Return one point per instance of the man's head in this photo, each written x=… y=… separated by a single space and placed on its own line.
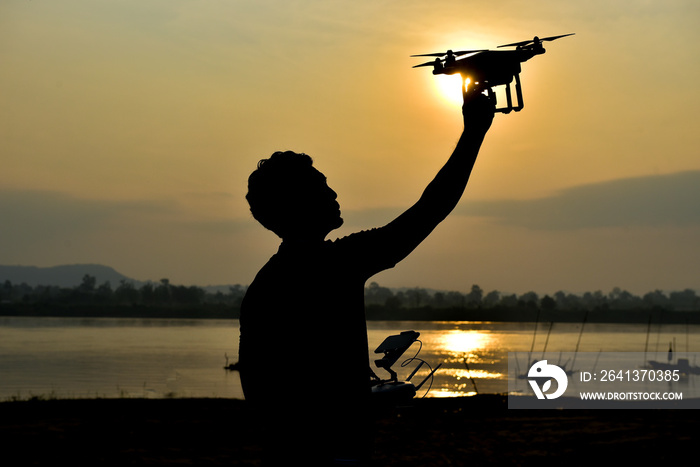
x=289 y=196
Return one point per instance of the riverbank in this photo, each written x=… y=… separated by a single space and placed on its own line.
x=373 y=313
x=469 y=431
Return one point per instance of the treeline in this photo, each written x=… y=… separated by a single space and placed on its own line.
x=163 y=299
x=161 y=294
x=477 y=298
x=617 y=306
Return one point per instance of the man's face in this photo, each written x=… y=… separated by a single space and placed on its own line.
x=315 y=206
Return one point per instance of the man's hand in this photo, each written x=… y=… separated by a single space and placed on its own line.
x=478 y=111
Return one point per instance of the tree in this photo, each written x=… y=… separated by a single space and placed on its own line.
x=376 y=294
x=567 y=301
x=7 y=292
x=191 y=295
x=474 y=296
x=530 y=299
x=455 y=299
x=656 y=299
x=686 y=300
x=622 y=299
x=417 y=297
x=147 y=293
x=393 y=303
x=162 y=293
x=491 y=299
x=126 y=293
x=509 y=301
x=595 y=300
x=104 y=292
x=439 y=300
x=235 y=294
x=548 y=303
x=88 y=283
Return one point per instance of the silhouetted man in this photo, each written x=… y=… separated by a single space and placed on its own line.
x=304 y=354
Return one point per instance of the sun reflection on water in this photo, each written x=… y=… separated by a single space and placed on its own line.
x=465 y=343
x=444 y=393
x=471 y=359
x=477 y=374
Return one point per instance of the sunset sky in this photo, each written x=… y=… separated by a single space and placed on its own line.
x=128 y=130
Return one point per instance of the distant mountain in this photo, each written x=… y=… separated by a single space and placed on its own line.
x=62 y=276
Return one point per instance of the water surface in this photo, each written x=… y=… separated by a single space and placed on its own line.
x=111 y=357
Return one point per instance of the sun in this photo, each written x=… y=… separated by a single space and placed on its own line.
x=450 y=88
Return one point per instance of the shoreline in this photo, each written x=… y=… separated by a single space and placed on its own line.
x=429 y=315
x=476 y=430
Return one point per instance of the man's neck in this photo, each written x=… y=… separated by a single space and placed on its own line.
x=303 y=241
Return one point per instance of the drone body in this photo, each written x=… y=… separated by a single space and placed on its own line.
x=488 y=68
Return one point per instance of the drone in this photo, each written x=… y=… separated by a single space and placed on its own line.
x=486 y=69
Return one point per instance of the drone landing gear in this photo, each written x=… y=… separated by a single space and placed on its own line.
x=518 y=93
x=492 y=95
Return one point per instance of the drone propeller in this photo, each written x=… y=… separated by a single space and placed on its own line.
x=449 y=52
x=551 y=38
x=535 y=40
x=437 y=61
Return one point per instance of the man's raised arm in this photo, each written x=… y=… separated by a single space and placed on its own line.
x=442 y=194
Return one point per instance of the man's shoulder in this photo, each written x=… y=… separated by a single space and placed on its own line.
x=368 y=251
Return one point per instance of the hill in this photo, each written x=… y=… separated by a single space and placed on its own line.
x=61 y=276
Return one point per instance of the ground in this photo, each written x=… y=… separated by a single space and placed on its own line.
x=468 y=431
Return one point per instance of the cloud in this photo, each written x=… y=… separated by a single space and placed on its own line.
x=146 y=238
x=650 y=201
x=37 y=216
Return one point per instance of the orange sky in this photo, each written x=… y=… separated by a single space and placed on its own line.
x=129 y=129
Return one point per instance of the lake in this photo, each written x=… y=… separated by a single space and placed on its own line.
x=156 y=358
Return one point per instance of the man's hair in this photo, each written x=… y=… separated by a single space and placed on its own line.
x=272 y=184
